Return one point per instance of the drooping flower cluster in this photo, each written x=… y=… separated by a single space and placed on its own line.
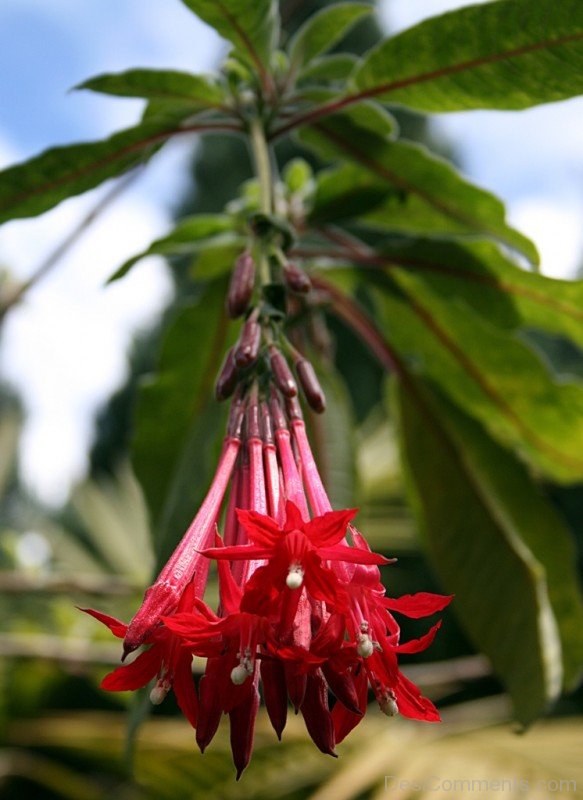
x=302 y=610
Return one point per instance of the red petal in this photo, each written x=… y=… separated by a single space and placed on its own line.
x=261 y=529
x=137 y=674
x=330 y=528
x=242 y=719
x=316 y=714
x=117 y=627
x=229 y=591
x=418 y=605
x=351 y=554
x=345 y=720
x=411 y=702
x=293 y=517
x=210 y=705
x=320 y=581
x=187 y=600
x=184 y=689
x=274 y=693
x=417 y=645
x=238 y=552
x=329 y=638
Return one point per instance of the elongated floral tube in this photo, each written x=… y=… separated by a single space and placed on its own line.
x=163 y=596
x=271 y=468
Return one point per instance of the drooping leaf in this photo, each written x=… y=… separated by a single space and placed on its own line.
x=323 y=30
x=501 y=596
x=252 y=27
x=489 y=373
x=185 y=239
x=483 y=277
x=178 y=423
x=37 y=185
x=198 y=91
x=510 y=55
x=430 y=187
x=529 y=519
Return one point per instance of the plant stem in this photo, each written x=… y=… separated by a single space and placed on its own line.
x=262 y=161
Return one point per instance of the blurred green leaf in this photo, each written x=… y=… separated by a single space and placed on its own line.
x=179 y=425
x=489 y=373
x=196 y=91
x=501 y=594
x=438 y=194
x=510 y=55
x=252 y=27
x=323 y=30
x=483 y=277
x=328 y=69
x=30 y=188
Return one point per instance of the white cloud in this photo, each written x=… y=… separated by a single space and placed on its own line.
x=65 y=347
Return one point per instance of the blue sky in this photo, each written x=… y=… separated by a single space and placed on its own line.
x=64 y=349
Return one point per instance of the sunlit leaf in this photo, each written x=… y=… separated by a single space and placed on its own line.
x=323 y=30
x=509 y=55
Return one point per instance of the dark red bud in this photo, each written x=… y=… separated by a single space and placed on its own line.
x=296 y=685
x=275 y=693
x=311 y=385
x=284 y=380
x=247 y=350
x=227 y=380
x=241 y=285
x=317 y=715
x=296 y=279
x=210 y=709
x=242 y=720
x=342 y=687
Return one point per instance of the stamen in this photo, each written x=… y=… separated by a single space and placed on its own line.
x=388 y=705
x=295 y=576
x=159 y=692
x=365 y=645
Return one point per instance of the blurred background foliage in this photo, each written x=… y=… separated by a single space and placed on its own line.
x=62 y=737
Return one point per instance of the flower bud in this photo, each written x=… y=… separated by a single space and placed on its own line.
x=247 y=350
x=282 y=375
x=241 y=285
x=227 y=380
x=311 y=385
x=296 y=279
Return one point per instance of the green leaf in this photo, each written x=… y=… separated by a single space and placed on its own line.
x=499 y=586
x=489 y=373
x=333 y=436
x=323 y=30
x=252 y=27
x=186 y=238
x=197 y=91
x=510 y=55
x=179 y=426
x=37 y=185
x=431 y=191
x=481 y=276
x=347 y=192
x=328 y=69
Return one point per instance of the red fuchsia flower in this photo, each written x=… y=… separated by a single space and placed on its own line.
x=166 y=660
x=302 y=607
x=295 y=552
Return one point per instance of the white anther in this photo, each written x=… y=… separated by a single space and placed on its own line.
x=365 y=646
x=295 y=577
x=389 y=705
x=239 y=675
x=159 y=692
